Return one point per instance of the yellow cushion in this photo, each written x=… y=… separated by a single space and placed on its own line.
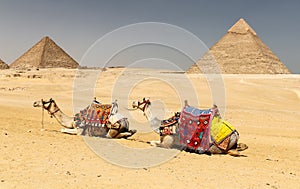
x=220 y=129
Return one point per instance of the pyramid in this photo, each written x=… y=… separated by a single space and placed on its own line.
x=45 y=54
x=3 y=65
x=239 y=51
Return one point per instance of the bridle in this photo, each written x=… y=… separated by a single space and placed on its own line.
x=47 y=106
x=143 y=105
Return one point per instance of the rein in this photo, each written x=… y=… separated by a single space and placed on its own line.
x=48 y=110
x=145 y=103
x=49 y=106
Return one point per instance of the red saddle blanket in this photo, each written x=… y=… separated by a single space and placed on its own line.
x=194 y=128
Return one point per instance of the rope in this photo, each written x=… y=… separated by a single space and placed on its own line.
x=42 y=118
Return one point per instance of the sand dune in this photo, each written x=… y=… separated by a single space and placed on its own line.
x=264 y=109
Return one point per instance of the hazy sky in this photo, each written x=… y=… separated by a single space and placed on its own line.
x=76 y=24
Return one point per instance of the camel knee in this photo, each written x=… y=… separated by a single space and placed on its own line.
x=233 y=141
x=154 y=143
x=69 y=131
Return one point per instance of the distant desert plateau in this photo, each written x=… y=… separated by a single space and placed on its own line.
x=265 y=109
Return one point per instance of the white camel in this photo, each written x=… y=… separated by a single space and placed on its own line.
x=117 y=126
x=173 y=141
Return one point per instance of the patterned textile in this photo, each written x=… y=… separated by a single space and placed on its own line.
x=220 y=130
x=93 y=119
x=98 y=114
x=169 y=126
x=224 y=144
x=194 y=128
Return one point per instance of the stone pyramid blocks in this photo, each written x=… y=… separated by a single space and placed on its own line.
x=45 y=54
x=239 y=51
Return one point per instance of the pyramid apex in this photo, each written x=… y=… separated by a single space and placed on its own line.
x=46 y=38
x=241 y=27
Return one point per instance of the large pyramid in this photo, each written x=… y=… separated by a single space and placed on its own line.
x=3 y=65
x=240 y=51
x=45 y=54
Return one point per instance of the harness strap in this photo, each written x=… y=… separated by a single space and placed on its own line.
x=48 y=107
x=145 y=102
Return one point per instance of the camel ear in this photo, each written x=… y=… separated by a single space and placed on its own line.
x=186 y=103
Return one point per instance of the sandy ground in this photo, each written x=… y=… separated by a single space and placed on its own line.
x=263 y=108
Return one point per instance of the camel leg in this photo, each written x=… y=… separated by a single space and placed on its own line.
x=112 y=133
x=69 y=131
x=234 y=137
x=126 y=134
x=167 y=141
x=233 y=144
x=233 y=141
x=241 y=147
x=155 y=143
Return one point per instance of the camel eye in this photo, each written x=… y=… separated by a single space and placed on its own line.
x=191 y=122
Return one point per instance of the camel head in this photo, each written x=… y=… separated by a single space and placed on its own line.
x=50 y=105
x=142 y=105
x=38 y=103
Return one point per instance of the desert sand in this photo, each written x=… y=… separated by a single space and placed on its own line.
x=263 y=108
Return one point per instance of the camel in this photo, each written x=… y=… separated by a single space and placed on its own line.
x=173 y=141
x=117 y=126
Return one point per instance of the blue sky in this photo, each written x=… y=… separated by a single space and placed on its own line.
x=76 y=24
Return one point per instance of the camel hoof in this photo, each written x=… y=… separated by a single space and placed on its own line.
x=153 y=143
x=133 y=131
x=241 y=147
x=234 y=153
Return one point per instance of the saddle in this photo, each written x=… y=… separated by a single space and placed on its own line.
x=194 y=128
x=220 y=132
x=169 y=126
x=93 y=119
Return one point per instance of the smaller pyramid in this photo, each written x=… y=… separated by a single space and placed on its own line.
x=3 y=65
x=45 y=54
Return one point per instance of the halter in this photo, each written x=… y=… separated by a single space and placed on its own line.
x=145 y=103
x=49 y=106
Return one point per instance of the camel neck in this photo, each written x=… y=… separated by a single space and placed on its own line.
x=148 y=113
x=62 y=118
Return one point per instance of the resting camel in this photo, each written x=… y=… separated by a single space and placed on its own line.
x=173 y=141
x=120 y=128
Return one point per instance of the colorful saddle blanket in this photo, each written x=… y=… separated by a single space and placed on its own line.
x=98 y=114
x=194 y=128
x=94 y=115
x=169 y=126
x=92 y=120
